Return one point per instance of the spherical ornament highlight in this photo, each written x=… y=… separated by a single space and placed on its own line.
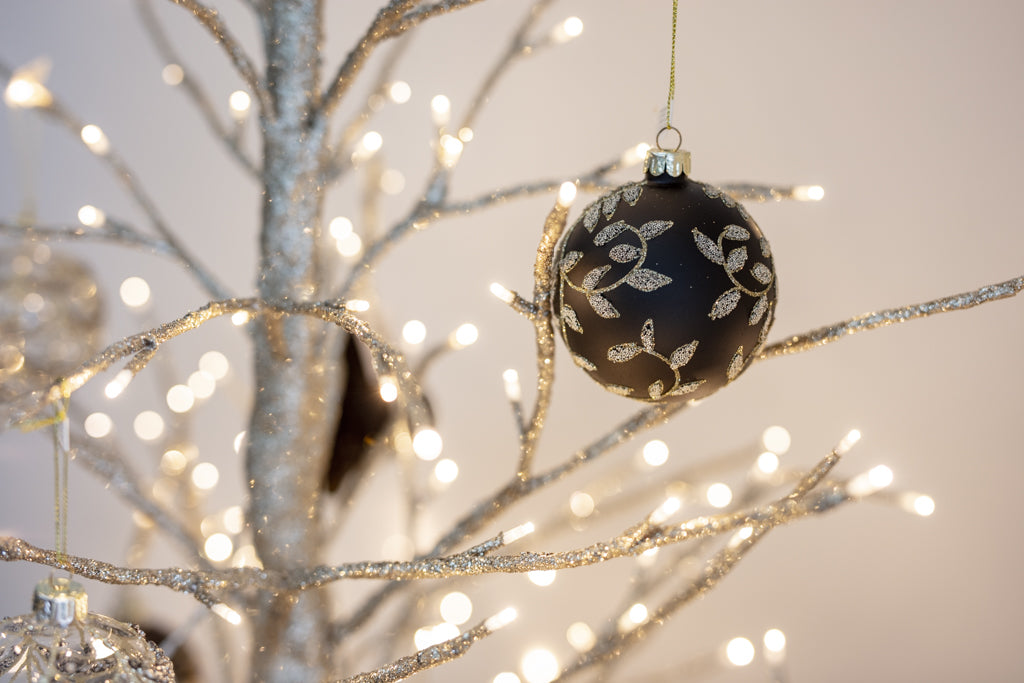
x=62 y=641
x=666 y=287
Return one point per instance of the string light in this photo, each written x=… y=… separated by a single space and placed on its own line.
x=399 y=92
x=456 y=608
x=95 y=139
x=234 y=519
x=918 y=503
x=202 y=384
x=172 y=74
x=635 y=154
x=238 y=441
x=239 y=103
x=134 y=292
x=388 y=390
x=671 y=506
x=451 y=149
x=848 y=441
x=580 y=636
x=349 y=245
x=372 y=141
x=91 y=217
x=218 y=547
x=517 y=532
x=239 y=318
x=502 y=293
x=740 y=651
x=116 y=386
x=148 y=425
x=571 y=28
x=464 y=335
x=719 y=495
x=205 y=476
x=655 y=453
x=539 y=666
x=542 y=577
x=340 y=227
x=441 y=110
x=513 y=389
x=506 y=677
x=414 y=332
x=566 y=194
x=173 y=462
x=501 y=619
x=638 y=613
x=581 y=504
x=767 y=462
x=427 y=444
x=227 y=614
x=357 y=305
x=26 y=89
x=774 y=645
x=776 y=439
x=180 y=398
x=446 y=471
x=429 y=636
x=215 y=363
x=872 y=481
x=466 y=134
x=98 y=425
x=808 y=193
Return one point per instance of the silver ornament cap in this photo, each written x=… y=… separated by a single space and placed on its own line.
x=663 y=162
x=60 y=601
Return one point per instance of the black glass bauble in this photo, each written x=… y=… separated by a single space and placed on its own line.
x=666 y=289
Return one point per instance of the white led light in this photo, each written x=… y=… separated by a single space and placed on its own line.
x=740 y=651
x=340 y=227
x=95 y=139
x=239 y=102
x=539 y=666
x=148 y=425
x=638 y=613
x=513 y=389
x=172 y=74
x=227 y=614
x=465 y=335
x=456 y=608
x=134 y=292
x=372 y=141
x=414 y=332
x=542 y=577
x=767 y=462
x=719 y=495
x=655 y=453
x=388 y=390
x=202 y=384
x=180 y=398
x=239 y=318
x=774 y=640
x=566 y=194
x=91 y=217
x=205 y=476
x=98 y=425
x=218 y=547
x=776 y=439
x=399 y=92
x=446 y=471
x=506 y=677
x=580 y=636
x=427 y=444
x=502 y=293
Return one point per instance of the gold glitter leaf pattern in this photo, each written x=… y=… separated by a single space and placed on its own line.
x=736 y=260
x=618 y=389
x=631 y=193
x=610 y=232
x=654 y=228
x=610 y=203
x=570 y=260
x=602 y=306
x=736 y=232
x=761 y=273
x=725 y=304
x=590 y=217
x=624 y=253
x=735 y=365
x=594 y=276
x=647 y=280
x=708 y=247
x=687 y=388
x=568 y=316
x=683 y=354
x=760 y=306
x=620 y=353
x=656 y=389
x=647 y=335
x=583 y=362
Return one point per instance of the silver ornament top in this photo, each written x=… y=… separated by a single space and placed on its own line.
x=60 y=602
x=667 y=162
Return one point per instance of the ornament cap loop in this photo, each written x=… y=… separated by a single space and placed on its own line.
x=661 y=162
x=679 y=138
x=60 y=601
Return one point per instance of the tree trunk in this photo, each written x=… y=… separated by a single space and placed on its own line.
x=287 y=432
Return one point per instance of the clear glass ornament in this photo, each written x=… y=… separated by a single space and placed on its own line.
x=50 y=317
x=61 y=641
